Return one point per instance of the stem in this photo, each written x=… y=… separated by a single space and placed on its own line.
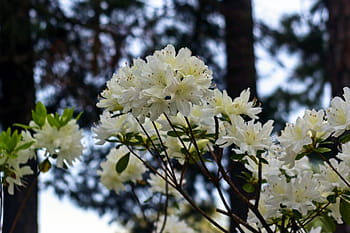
x=202 y=212
x=166 y=204
x=335 y=170
x=256 y=204
x=238 y=219
x=165 y=151
x=241 y=196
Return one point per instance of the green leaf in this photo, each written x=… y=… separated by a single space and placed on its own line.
x=327 y=223
x=322 y=150
x=248 y=187
x=301 y=155
x=332 y=198
x=345 y=138
x=39 y=114
x=53 y=121
x=345 y=210
x=22 y=126
x=45 y=165
x=25 y=146
x=122 y=164
x=175 y=133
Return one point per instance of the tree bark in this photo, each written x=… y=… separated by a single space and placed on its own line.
x=338 y=69
x=338 y=27
x=241 y=74
x=17 y=98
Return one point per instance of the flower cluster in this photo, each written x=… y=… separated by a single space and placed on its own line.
x=165 y=83
x=165 y=113
x=53 y=135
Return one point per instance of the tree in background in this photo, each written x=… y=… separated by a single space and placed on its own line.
x=17 y=95
x=240 y=75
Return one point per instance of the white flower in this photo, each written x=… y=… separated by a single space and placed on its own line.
x=173 y=225
x=111 y=126
x=18 y=172
x=239 y=106
x=317 y=126
x=249 y=137
x=338 y=114
x=330 y=179
x=64 y=142
x=164 y=83
x=113 y=180
x=253 y=137
x=344 y=155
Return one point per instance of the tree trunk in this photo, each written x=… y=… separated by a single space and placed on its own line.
x=16 y=100
x=338 y=27
x=240 y=75
x=338 y=70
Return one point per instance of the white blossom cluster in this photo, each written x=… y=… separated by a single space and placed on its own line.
x=165 y=83
x=167 y=106
x=59 y=142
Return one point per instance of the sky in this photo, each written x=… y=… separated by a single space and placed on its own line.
x=57 y=216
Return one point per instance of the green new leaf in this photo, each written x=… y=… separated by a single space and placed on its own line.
x=25 y=146
x=9 y=140
x=39 y=114
x=345 y=210
x=53 y=121
x=66 y=116
x=122 y=164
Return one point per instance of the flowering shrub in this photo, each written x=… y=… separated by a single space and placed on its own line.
x=164 y=115
x=56 y=137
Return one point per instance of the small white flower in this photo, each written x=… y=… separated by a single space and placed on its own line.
x=110 y=126
x=338 y=114
x=239 y=106
x=64 y=142
x=344 y=155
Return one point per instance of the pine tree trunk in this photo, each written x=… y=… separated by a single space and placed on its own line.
x=339 y=45
x=16 y=101
x=240 y=75
x=338 y=70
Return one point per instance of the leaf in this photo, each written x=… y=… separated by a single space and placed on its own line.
x=122 y=164
x=322 y=150
x=345 y=210
x=53 y=121
x=327 y=223
x=175 y=133
x=248 y=187
x=332 y=198
x=345 y=138
x=22 y=126
x=301 y=155
x=25 y=146
x=39 y=114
